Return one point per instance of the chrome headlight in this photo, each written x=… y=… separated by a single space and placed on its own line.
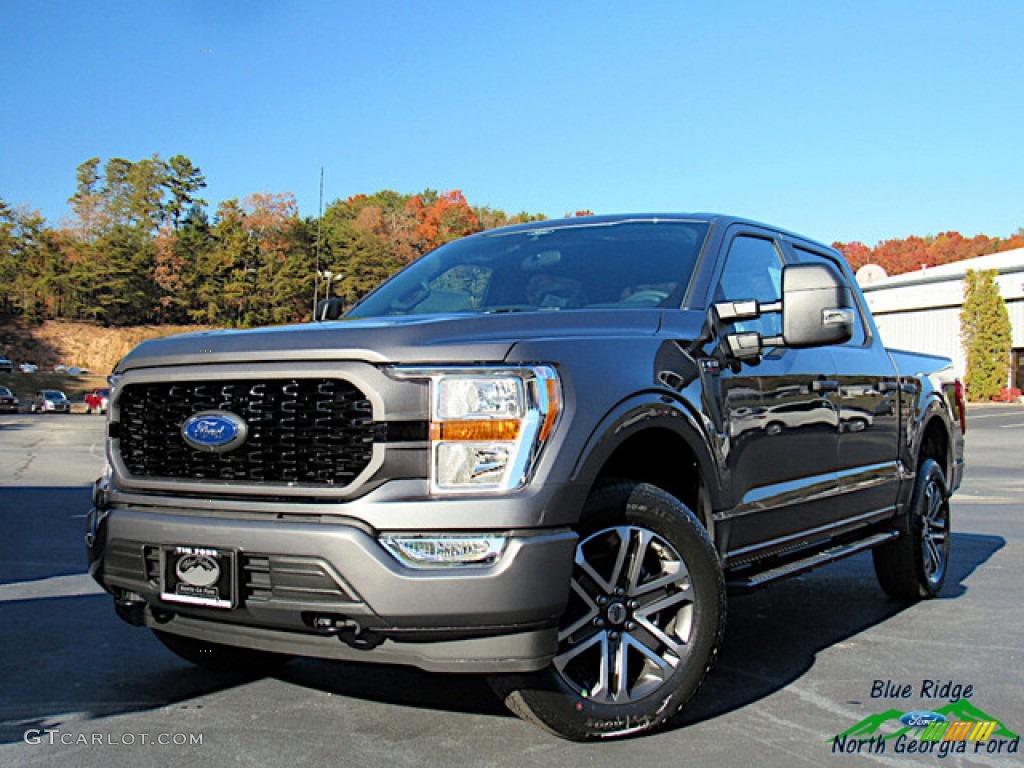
x=487 y=425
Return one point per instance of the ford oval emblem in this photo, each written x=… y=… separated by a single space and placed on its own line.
x=214 y=431
x=921 y=719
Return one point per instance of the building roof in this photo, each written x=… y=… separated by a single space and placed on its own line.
x=1003 y=262
x=942 y=286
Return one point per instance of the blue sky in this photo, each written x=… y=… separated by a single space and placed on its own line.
x=840 y=120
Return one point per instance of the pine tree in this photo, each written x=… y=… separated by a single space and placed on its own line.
x=985 y=333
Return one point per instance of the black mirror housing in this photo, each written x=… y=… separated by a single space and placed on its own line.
x=330 y=309
x=817 y=306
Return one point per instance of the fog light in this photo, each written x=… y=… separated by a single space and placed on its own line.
x=445 y=551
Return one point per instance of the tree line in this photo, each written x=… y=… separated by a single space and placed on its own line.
x=142 y=246
x=911 y=253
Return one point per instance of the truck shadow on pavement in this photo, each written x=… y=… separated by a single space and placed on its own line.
x=773 y=636
x=68 y=658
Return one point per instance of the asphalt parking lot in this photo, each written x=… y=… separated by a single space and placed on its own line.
x=803 y=661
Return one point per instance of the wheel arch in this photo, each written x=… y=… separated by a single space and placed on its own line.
x=934 y=444
x=653 y=441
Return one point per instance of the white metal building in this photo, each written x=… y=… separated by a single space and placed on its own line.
x=920 y=311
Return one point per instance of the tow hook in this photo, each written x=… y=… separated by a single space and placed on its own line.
x=349 y=631
x=363 y=640
x=131 y=608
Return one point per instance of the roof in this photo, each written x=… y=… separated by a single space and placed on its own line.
x=717 y=220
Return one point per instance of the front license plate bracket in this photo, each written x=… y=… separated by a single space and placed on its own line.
x=198 y=576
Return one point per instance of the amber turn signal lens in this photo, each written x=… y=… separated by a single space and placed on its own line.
x=476 y=430
x=554 y=406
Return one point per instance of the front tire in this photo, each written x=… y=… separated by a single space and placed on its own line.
x=221 y=658
x=914 y=565
x=643 y=624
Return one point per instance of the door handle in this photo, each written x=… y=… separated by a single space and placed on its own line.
x=824 y=385
x=885 y=387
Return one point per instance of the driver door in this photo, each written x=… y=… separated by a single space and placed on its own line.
x=781 y=423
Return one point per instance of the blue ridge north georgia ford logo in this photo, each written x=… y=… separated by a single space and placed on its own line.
x=214 y=431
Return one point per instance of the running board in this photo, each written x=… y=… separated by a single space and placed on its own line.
x=794 y=567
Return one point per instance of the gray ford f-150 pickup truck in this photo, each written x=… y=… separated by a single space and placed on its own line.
x=545 y=452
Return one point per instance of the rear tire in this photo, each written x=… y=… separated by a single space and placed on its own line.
x=643 y=624
x=221 y=658
x=914 y=566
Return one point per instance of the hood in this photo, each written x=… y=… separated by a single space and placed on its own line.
x=426 y=339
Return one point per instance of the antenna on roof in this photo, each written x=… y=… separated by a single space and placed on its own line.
x=319 y=220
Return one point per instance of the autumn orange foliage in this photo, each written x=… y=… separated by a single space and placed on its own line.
x=440 y=221
x=911 y=253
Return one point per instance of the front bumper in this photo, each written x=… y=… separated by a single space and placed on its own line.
x=329 y=589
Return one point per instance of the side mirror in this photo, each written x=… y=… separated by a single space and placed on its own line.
x=330 y=309
x=817 y=306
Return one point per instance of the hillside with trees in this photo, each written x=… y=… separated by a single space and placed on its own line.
x=143 y=247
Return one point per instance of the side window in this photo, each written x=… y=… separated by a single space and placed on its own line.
x=753 y=270
x=859 y=335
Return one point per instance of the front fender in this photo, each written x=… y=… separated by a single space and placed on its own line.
x=651 y=411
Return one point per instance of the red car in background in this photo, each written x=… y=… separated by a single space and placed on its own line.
x=97 y=401
x=8 y=402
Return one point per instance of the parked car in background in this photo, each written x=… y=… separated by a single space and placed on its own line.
x=6 y=366
x=8 y=402
x=28 y=367
x=50 y=400
x=97 y=400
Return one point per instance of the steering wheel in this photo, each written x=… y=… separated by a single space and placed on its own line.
x=647 y=298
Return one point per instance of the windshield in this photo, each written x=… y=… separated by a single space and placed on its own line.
x=621 y=265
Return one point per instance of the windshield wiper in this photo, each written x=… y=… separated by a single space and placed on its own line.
x=504 y=310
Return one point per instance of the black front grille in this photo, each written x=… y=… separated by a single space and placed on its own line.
x=318 y=431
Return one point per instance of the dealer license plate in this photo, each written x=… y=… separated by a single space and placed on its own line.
x=198 y=576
